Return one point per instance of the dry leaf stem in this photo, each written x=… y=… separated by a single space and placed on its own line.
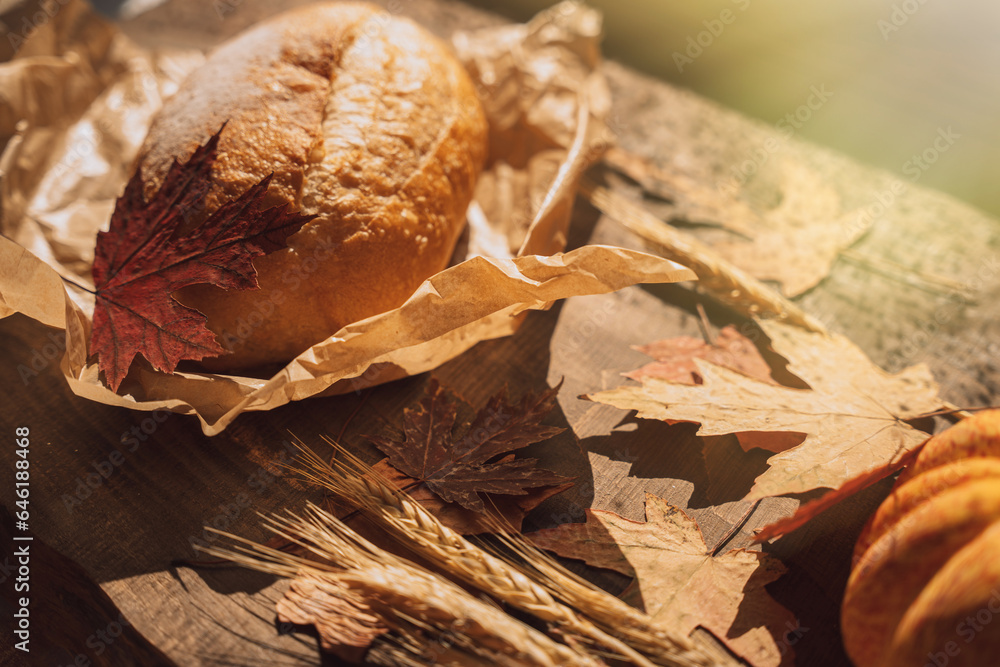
x=623 y=628
x=725 y=282
x=906 y=275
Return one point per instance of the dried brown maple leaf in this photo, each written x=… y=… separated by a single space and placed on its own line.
x=795 y=243
x=801 y=237
x=459 y=464
x=678 y=581
x=675 y=357
x=142 y=260
x=731 y=349
x=852 y=415
x=510 y=509
x=692 y=199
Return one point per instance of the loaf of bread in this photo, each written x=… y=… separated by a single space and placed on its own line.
x=369 y=123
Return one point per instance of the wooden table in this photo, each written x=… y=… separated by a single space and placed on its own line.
x=124 y=495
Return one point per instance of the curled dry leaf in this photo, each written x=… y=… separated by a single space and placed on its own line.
x=459 y=464
x=795 y=243
x=678 y=581
x=692 y=199
x=346 y=626
x=717 y=276
x=801 y=238
x=853 y=415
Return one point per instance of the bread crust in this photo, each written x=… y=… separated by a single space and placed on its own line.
x=367 y=122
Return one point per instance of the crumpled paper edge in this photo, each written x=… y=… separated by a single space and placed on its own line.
x=464 y=315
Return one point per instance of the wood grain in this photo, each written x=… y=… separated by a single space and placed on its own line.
x=69 y=615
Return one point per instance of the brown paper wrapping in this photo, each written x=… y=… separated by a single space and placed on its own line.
x=77 y=100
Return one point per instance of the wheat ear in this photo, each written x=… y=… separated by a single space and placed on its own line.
x=422 y=532
x=405 y=597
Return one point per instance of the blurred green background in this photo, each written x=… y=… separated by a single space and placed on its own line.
x=897 y=70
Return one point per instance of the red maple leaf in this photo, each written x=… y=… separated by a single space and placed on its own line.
x=142 y=260
x=459 y=464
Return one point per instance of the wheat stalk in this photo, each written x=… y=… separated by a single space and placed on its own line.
x=608 y=621
x=609 y=611
x=405 y=597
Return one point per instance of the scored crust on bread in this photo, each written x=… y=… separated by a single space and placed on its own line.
x=369 y=123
